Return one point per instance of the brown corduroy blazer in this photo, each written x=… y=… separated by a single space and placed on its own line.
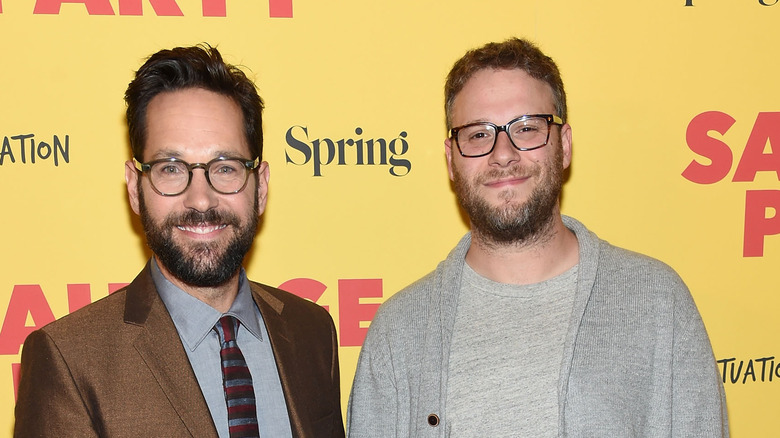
x=117 y=368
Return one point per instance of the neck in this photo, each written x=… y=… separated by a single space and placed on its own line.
x=219 y=297
x=551 y=253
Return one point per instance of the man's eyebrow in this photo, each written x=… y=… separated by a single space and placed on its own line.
x=172 y=153
x=166 y=153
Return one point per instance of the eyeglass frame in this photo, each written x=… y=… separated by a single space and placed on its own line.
x=551 y=119
x=250 y=165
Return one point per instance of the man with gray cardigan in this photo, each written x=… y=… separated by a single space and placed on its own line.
x=532 y=326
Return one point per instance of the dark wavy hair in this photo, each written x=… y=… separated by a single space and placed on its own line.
x=511 y=54
x=180 y=68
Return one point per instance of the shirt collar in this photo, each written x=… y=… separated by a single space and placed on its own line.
x=194 y=319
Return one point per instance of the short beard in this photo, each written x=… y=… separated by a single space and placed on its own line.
x=202 y=264
x=517 y=224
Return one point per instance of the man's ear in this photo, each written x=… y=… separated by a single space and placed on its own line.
x=131 y=178
x=448 y=154
x=566 y=144
x=263 y=176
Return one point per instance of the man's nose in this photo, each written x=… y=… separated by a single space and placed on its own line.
x=200 y=195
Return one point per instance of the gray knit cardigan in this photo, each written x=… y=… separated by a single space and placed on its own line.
x=637 y=360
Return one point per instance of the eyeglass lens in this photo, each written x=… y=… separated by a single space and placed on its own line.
x=479 y=139
x=173 y=177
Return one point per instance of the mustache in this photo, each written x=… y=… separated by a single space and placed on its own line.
x=194 y=218
x=516 y=171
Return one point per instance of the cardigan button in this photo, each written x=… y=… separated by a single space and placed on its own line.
x=433 y=420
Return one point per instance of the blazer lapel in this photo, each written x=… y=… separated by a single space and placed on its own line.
x=159 y=345
x=284 y=355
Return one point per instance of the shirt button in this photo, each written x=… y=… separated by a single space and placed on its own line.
x=433 y=420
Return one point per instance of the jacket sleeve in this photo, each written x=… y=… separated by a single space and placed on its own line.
x=49 y=402
x=338 y=426
x=373 y=403
x=698 y=399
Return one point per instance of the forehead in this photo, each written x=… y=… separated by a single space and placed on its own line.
x=194 y=125
x=490 y=95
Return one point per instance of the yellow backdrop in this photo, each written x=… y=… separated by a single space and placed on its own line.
x=673 y=103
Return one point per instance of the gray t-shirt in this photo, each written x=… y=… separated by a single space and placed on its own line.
x=507 y=348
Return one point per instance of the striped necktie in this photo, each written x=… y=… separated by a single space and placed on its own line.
x=239 y=393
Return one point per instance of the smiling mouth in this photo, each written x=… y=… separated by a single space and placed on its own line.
x=201 y=229
x=506 y=181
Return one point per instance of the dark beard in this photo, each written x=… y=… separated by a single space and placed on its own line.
x=200 y=265
x=513 y=223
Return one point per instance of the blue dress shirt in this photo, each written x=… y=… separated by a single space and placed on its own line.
x=195 y=320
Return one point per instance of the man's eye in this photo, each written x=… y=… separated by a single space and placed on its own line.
x=225 y=170
x=170 y=169
x=525 y=129
x=479 y=135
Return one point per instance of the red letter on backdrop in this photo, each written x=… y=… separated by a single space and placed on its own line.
x=717 y=151
x=757 y=224
x=214 y=8
x=280 y=8
x=25 y=299
x=305 y=288
x=352 y=312
x=79 y=295
x=113 y=287
x=15 y=367
x=94 y=7
x=765 y=130
x=161 y=7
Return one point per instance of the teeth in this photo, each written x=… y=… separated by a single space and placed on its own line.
x=201 y=229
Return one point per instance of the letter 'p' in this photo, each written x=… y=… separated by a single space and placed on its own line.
x=757 y=223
